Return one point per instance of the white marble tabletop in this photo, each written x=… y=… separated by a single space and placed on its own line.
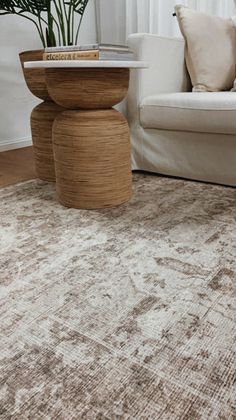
x=85 y=64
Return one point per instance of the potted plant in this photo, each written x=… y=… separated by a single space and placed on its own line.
x=58 y=23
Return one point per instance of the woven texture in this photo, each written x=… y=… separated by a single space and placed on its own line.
x=42 y=118
x=92 y=158
x=35 y=78
x=87 y=88
x=126 y=313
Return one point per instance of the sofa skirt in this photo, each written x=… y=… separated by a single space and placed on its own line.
x=197 y=156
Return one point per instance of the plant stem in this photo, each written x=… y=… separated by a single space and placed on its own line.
x=69 y=23
x=77 y=33
x=41 y=30
x=64 y=7
x=61 y=24
x=58 y=29
x=73 y=27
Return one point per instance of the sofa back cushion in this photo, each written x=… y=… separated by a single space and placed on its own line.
x=210 y=49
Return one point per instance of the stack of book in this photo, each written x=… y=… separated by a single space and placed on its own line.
x=89 y=52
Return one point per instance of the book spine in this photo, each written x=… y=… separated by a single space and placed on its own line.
x=114 y=49
x=74 y=55
x=109 y=55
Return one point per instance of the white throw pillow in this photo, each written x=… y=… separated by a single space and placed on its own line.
x=210 y=49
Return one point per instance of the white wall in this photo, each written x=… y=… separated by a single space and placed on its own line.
x=16 y=102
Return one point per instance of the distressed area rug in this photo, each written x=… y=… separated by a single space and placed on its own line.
x=119 y=314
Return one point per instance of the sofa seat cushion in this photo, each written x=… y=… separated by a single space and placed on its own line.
x=203 y=112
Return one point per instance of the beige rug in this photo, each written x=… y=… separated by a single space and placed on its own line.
x=119 y=314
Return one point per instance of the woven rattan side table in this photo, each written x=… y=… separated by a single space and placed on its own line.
x=91 y=140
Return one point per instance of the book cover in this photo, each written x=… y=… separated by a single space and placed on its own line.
x=73 y=55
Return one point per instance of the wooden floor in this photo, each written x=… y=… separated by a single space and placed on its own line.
x=16 y=166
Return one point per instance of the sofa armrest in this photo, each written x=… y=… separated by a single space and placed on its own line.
x=167 y=70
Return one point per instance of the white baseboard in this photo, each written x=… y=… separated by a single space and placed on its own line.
x=15 y=144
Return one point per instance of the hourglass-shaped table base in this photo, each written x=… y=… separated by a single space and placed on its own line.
x=91 y=142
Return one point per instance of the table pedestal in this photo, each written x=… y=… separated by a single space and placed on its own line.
x=91 y=140
x=42 y=118
x=92 y=158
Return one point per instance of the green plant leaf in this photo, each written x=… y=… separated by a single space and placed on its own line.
x=57 y=14
x=35 y=7
x=78 y=6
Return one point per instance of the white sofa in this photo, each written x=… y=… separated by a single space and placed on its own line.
x=174 y=131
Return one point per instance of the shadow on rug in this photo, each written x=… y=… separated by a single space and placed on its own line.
x=119 y=314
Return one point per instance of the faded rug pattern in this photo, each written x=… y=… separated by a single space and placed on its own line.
x=119 y=314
